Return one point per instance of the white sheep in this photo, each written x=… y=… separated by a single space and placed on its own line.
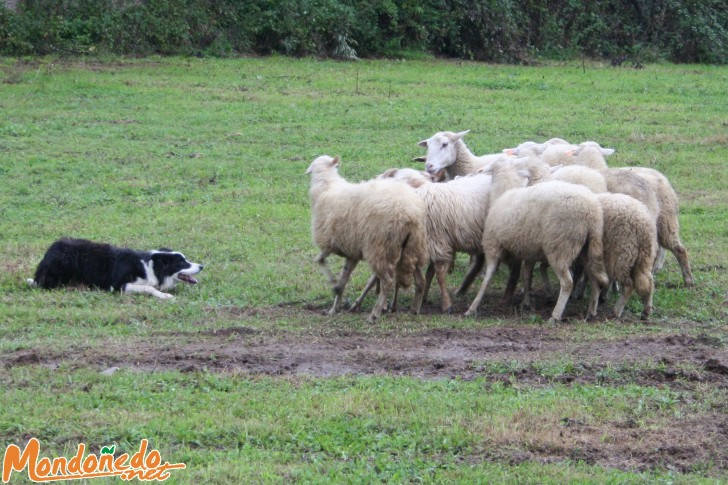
x=659 y=197
x=533 y=149
x=668 y=225
x=630 y=246
x=447 y=151
x=414 y=178
x=539 y=172
x=552 y=220
x=380 y=221
x=589 y=154
x=456 y=213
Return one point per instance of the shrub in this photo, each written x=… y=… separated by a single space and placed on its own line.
x=488 y=30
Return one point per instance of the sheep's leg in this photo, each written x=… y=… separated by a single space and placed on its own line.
x=670 y=240
x=321 y=261
x=567 y=284
x=527 y=277
x=514 y=272
x=593 y=298
x=428 y=281
x=373 y=280
x=338 y=288
x=644 y=285
x=543 y=268
x=419 y=287
x=386 y=281
x=604 y=292
x=471 y=274
x=489 y=272
x=682 y=257
x=393 y=306
x=579 y=278
x=659 y=260
x=622 y=301
x=646 y=306
x=441 y=271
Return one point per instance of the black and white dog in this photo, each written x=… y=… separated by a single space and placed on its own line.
x=78 y=261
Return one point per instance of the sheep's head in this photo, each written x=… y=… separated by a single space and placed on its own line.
x=527 y=149
x=595 y=146
x=414 y=178
x=323 y=163
x=441 y=150
x=557 y=141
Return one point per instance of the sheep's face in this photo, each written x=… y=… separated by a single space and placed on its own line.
x=441 y=150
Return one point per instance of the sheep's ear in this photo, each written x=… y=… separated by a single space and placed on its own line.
x=458 y=136
x=571 y=153
x=335 y=161
x=525 y=174
x=488 y=169
x=607 y=151
x=423 y=143
x=509 y=151
x=420 y=159
x=389 y=173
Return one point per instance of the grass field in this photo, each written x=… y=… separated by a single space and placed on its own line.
x=244 y=378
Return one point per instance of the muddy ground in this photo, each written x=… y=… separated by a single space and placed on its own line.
x=690 y=365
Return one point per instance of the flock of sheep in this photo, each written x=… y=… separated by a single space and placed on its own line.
x=551 y=203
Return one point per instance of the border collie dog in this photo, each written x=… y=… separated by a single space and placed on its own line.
x=78 y=261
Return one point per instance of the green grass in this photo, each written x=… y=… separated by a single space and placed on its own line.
x=208 y=157
x=365 y=429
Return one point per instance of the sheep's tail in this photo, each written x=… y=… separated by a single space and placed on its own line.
x=595 y=262
x=413 y=254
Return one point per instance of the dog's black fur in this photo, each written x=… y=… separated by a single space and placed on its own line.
x=79 y=261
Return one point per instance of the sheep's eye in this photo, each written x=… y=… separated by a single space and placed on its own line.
x=444 y=145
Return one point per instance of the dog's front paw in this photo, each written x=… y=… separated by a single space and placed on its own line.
x=165 y=296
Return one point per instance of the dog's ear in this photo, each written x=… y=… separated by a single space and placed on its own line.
x=166 y=250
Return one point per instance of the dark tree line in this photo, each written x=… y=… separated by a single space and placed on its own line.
x=489 y=30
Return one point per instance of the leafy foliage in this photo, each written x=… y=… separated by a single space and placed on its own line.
x=489 y=30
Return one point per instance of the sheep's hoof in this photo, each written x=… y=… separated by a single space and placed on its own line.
x=470 y=314
x=553 y=321
x=645 y=317
x=372 y=319
x=448 y=310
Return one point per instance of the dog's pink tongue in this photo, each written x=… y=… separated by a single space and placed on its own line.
x=188 y=279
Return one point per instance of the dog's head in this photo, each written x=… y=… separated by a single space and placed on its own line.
x=171 y=267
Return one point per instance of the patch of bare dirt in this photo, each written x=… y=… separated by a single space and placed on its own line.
x=510 y=355
x=685 y=363
x=438 y=353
